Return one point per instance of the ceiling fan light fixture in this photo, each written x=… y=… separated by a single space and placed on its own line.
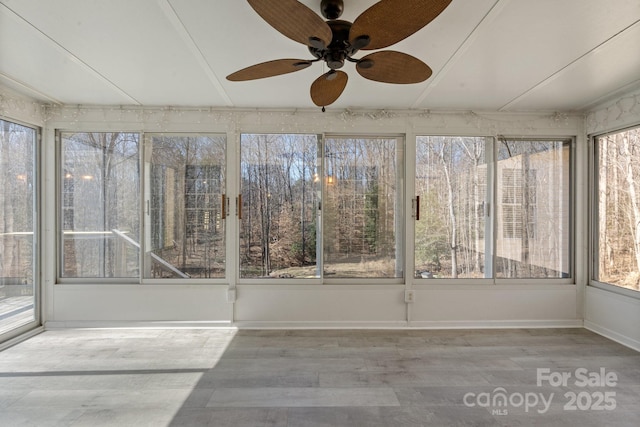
x=360 y=42
x=365 y=63
x=335 y=59
x=331 y=75
x=316 y=43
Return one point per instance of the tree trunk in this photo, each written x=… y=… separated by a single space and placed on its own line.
x=452 y=216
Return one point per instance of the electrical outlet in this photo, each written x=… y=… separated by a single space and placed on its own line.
x=231 y=295
x=409 y=296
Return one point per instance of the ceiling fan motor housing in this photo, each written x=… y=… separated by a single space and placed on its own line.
x=339 y=49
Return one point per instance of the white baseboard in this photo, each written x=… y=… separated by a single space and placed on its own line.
x=112 y=324
x=612 y=335
x=496 y=324
x=320 y=325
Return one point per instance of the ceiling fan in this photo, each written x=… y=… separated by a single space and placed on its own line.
x=336 y=41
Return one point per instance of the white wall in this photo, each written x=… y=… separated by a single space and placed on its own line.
x=610 y=311
x=277 y=304
x=469 y=306
x=185 y=304
x=613 y=315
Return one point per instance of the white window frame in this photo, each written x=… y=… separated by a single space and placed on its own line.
x=38 y=250
x=491 y=222
x=594 y=217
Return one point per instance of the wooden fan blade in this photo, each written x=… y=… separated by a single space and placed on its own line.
x=389 y=66
x=389 y=21
x=294 y=20
x=269 y=69
x=328 y=87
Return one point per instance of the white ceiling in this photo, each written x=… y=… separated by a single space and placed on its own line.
x=493 y=55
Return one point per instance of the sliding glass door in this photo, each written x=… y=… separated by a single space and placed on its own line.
x=18 y=228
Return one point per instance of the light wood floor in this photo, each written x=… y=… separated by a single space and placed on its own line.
x=155 y=377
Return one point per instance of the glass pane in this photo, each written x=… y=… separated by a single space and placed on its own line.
x=17 y=226
x=363 y=198
x=100 y=204
x=533 y=196
x=186 y=226
x=451 y=180
x=279 y=198
x=618 y=158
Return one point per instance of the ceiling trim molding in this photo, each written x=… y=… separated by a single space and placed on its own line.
x=622 y=91
x=181 y=29
x=30 y=90
x=486 y=20
x=70 y=56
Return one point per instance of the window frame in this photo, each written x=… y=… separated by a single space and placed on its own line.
x=400 y=200
x=59 y=218
x=38 y=249
x=237 y=231
x=594 y=217
x=571 y=280
x=323 y=280
x=233 y=186
x=491 y=223
x=146 y=142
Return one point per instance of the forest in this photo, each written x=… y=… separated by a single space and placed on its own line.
x=293 y=210
x=618 y=164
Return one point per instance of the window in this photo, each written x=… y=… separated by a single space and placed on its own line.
x=312 y=208
x=280 y=200
x=451 y=177
x=100 y=205
x=362 y=225
x=454 y=183
x=18 y=226
x=533 y=187
x=186 y=206
x=617 y=194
